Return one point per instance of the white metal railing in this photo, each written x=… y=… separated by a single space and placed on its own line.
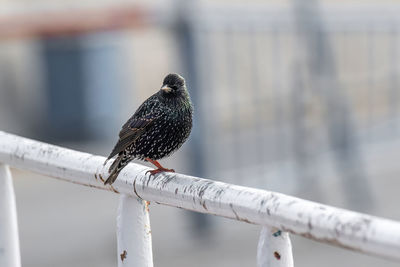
x=277 y=213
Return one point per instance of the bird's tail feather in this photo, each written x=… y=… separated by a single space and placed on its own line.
x=119 y=163
x=111 y=179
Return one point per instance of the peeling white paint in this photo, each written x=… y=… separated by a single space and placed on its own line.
x=274 y=248
x=134 y=233
x=343 y=228
x=9 y=241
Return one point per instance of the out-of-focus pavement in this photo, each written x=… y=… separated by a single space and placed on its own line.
x=63 y=224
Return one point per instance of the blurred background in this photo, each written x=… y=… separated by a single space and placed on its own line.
x=299 y=97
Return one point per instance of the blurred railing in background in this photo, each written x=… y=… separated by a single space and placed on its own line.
x=289 y=93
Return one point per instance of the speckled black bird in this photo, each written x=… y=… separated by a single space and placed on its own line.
x=158 y=128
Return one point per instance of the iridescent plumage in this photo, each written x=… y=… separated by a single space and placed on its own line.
x=158 y=128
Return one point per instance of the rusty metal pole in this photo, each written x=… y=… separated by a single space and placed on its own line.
x=9 y=241
x=274 y=248
x=134 y=233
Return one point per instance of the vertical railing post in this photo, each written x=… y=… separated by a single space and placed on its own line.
x=274 y=248
x=9 y=241
x=134 y=233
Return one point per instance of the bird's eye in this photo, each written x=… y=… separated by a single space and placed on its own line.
x=174 y=87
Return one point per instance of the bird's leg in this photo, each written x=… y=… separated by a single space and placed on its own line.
x=159 y=167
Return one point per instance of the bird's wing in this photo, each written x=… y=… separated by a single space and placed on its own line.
x=132 y=130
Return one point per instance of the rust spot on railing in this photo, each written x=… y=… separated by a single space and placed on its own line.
x=134 y=189
x=245 y=220
x=237 y=215
x=123 y=255
x=114 y=190
x=331 y=241
x=277 y=255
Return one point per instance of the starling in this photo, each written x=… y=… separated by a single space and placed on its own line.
x=158 y=128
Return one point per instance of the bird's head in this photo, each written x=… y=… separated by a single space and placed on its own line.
x=173 y=85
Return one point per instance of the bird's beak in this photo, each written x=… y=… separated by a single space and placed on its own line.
x=166 y=88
